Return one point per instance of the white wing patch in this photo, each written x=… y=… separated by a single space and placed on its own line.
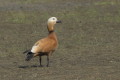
x=33 y=50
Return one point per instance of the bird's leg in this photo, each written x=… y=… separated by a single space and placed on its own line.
x=47 y=60
x=40 y=61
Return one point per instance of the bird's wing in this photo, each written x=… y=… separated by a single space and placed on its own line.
x=44 y=45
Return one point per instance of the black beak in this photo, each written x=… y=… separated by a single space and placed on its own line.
x=58 y=21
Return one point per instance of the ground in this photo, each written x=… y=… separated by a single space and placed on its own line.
x=89 y=39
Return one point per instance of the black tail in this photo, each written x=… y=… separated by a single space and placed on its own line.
x=29 y=55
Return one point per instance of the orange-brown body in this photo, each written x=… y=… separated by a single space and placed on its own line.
x=48 y=44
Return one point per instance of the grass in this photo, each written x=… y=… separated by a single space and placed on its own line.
x=88 y=39
x=107 y=2
x=21 y=17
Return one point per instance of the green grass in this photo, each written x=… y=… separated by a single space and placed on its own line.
x=88 y=39
x=101 y=3
x=21 y=17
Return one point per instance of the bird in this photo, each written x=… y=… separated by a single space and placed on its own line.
x=45 y=46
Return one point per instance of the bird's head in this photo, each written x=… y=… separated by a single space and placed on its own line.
x=53 y=20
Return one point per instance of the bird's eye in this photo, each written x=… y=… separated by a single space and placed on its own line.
x=53 y=18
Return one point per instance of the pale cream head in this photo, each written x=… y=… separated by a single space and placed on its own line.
x=51 y=22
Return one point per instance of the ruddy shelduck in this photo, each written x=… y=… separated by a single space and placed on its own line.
x=45 y=46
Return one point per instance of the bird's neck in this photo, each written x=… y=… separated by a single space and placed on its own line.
x=50 y=28
x=51 y=34
x=51 y=31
